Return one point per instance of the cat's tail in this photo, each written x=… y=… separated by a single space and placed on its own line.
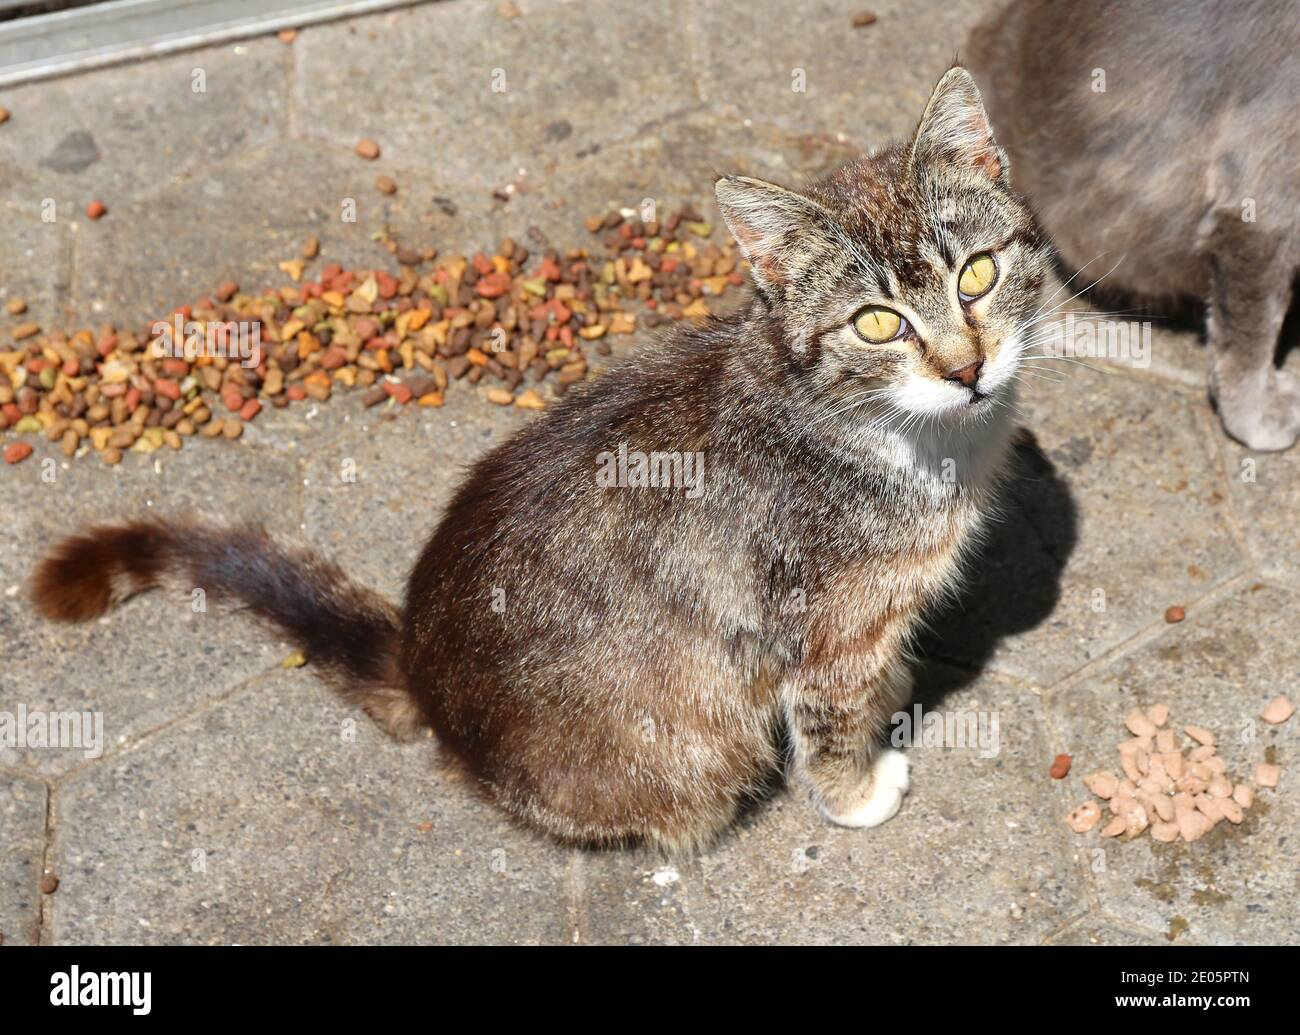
x=350 y=632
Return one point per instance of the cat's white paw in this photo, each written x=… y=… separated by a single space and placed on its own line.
x=889 y=782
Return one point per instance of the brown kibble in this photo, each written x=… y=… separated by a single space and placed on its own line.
x=287 y=36
x=26 y=330
x=367 y=149
x=385 y=185
x=1084 y=818
x=1060 y=767
x=500 y=396
x=1278 y=710
x=1267 y=775
x=4 y=114
x=227 y=291
x=863 y=19
x=15 y=307
x=310 y=248
x=49 y=884
x=17 y=452
x=96 y=210
x=1175 y=614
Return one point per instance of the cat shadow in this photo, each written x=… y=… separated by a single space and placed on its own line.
x=1013 y=580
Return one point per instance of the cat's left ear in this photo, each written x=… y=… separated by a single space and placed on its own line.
x=955 y=129
x=779 y=231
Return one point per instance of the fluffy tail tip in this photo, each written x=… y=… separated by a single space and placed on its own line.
x=85 y=575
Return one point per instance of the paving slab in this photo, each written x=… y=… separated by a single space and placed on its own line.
x=155 y=657
x=1093 y=930
x=238 y=221
x=36 y=260
x=672 y=163
x=318 y=829
x=1120 y=515
x=1217 y=669
x=1265 y=491
x=521 y=92
x=996 y=868
x=22 y=817
x=805 y=67
x=123 y=134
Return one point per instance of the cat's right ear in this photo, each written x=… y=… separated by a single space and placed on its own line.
x=955 y=129
x=778 y=230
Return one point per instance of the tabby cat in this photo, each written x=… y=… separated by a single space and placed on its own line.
x=635 y=661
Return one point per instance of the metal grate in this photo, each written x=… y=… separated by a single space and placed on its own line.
x=59 y=42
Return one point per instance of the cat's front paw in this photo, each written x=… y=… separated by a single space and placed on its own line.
x=889 y=782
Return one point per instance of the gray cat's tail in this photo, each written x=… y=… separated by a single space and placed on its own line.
x=352 y=633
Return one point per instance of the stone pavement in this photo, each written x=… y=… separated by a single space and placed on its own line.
x=238 y=802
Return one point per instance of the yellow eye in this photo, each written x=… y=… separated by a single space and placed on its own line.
x=878 y=324
x=977 y=276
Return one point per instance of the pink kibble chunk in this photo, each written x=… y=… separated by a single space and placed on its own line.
x=1200 y=734
x=1268 y=775
x=1102 y=784
x=1278 y=710
x=1139 y=725
x=1084 y=818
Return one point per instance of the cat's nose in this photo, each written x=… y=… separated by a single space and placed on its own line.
x=966 y=375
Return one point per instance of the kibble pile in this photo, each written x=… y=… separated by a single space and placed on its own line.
x=519 y=321
x=1172 y=787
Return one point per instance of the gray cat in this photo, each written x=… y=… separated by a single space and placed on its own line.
x=1167 y=132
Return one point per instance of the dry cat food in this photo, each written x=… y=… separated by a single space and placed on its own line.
x=1173 y=784
x=518 y=320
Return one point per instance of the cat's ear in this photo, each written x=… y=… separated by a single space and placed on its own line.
x=955 y=129
x=778 y=230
